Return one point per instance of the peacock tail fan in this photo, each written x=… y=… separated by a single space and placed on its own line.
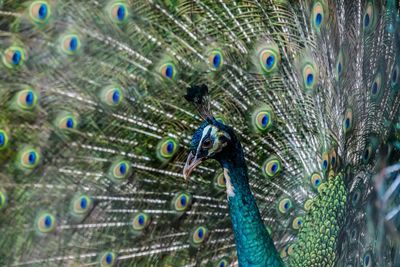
x=95 y=130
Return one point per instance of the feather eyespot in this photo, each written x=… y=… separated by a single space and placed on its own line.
x=216 y=59
x=367 y=260
x=67 y=121
x=29 y=158
x=348 y=121
x=339 y=65
x=219 y=181
x=199 y=235
x=309 y=77
x=355 y=198
x=3 y=200
x=272 y=167
x=3 y=139
x=395 y=77
x=376 y=87
x=315 y=180
x=140 y=222
x=269 y=59
x=119 y=13
x=45 y=223
x=325 y=161
x=168 y=71
x=263 y=120
x=369 y=18
x=182 y=202
x=285 y=205
x=297 y=223
x=27 y=99
x=14 y=57
x=318 y=16
x=108 y=259
x=40 y=11
x=70 y=44
x=167 y=148
x=333 y=157
x=367 y=154
x=120 y=169
x=222 y=263
x=112 y=96
x=81 y=205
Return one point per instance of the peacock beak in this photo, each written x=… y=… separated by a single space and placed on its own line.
x=191 y=163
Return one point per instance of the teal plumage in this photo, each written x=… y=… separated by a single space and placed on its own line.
x=95 y=131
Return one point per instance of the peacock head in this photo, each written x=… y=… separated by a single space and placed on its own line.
x=212 y=140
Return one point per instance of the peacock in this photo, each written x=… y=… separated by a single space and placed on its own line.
x=200 y=133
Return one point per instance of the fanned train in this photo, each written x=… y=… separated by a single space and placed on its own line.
x=200 y=133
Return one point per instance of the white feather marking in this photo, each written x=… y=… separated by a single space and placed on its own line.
x=229 y=188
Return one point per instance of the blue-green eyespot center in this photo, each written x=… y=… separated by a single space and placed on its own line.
x=81 y=204
x=40 y=12
x=45 y=223
x=14 y=57
x=318 y=15
x=112 y=96
x=199 y=234
x=66 y=121
x=140 y=221
x=120 y=169
x=27 y=99
x=119 y=13
x=268 y=60
x=167 y=148
x=284 y=205
x=3 y=139
x=168 y=71
x=182 y=202
x=29 y=158
x=263 y=120
x=215 y=59
x=108 y=259
x=70 y=44
x=272 y=167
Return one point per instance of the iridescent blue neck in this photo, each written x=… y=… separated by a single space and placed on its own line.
x=253 y=242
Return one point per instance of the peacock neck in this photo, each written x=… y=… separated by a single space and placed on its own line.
x=254 y=245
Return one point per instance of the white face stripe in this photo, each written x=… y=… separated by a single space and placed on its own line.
x=205 y=131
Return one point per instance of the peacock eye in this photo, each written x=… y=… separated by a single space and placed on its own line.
x=309 y=76
x=70 y=44
x=168 y=71
x=318 y=16
x=81 y=205
x=27 y=99
x=182 y=202
x=269 y=59
x=215 y=59
x=14 y=57
x=199 y=235
x=108 y=259
x=367 y=260
x=207 y=143
x=119 y=13
x=45 y=223
x=29 y=158
x=3 y=139
x=140 y=222
x=40 y=11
